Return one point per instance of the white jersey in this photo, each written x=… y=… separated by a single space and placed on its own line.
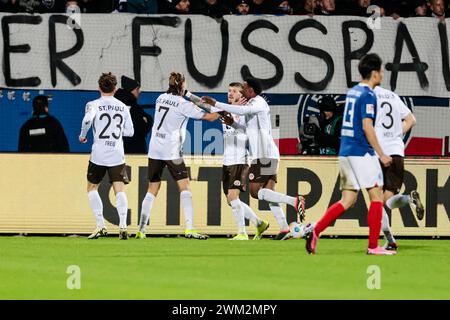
x=169 y=128
x=259 y=127
x=235 y=142
x=388 y=123
x=110 y=120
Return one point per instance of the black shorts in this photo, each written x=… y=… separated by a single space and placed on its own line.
x=393 y=175
x=177 y=169
x=234 y=177
x=96 y=173
x=263 y=170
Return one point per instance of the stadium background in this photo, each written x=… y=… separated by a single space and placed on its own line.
x=318 y=57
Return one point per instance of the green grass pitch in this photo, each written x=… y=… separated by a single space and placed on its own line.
x=178 y=268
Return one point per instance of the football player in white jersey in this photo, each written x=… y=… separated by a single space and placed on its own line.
x=172 y=113
x=393 y=120
x=110 y=120
x=264 y=152
x=235 y=167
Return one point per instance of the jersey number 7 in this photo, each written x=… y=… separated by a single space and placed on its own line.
x=166 y=110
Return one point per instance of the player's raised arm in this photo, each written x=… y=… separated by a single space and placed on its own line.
x=87 y=121
x=235 y=109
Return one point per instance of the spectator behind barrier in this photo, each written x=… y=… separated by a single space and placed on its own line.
x=243 y=7
x=212 y=8
x=138 y=6
x=322 y=134
x=307 y=7
x=420 y=8
x=142 y=122
x=437 y=9
x=43 y=132
x=175 y=6
x=327 y=7
x=262 y=7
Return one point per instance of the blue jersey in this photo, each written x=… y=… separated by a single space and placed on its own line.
x=360 y=103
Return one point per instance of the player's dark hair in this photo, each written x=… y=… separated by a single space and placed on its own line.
x=176 y=81
x=107 y=82
x=236 y=84
x=255 y=84
x=368 y=63
x=39 y=104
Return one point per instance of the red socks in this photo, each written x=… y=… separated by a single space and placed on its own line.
x=332 y=214
x=373 y=218
x=374 y=221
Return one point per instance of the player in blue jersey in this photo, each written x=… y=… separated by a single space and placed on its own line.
x=359 y=167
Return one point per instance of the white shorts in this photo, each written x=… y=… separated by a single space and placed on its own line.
x=358 y=173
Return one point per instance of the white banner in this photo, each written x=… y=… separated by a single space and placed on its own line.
x=292 y=54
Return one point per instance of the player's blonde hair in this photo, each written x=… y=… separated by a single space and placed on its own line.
x=176 y=81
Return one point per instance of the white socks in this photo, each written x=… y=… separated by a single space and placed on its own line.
x=188 y=209
x=122 y=208
x=279 y=215
x=398 y=201
x=250 y=214
x=147 y=204
x=276 y=197
x=238 y=213
x=386 y=228
x=97 y=207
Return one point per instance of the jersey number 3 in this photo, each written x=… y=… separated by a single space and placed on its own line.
x=389 y=115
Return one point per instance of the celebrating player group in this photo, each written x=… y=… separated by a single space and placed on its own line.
x=371 y=155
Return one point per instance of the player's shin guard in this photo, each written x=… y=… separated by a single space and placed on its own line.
x=250 y=214
x=374 y=220
x=147 y=204
x=332 y=214
x=188 y=209
x=275 y=197
x=386 y=228
x=97 y=207
x=238 y=213
x=398 y=201
x=279 y=215
x=122 y=208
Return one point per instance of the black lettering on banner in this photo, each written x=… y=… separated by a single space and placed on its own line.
x=444 y=51
x=208 y=81
x=214 y=178
x=56 y=58
x=153 y=51
x=417 y=66
x=357 y=212
x=350 y=55
x=109 y=210
x=294 y=175
x=321 y=54
x=436 y=195
x=245 y=70
x=21 y=48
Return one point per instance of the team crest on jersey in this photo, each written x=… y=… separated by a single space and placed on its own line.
x=370 y=109
x=237 y=183
x=251 y=176
x=88 y=107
